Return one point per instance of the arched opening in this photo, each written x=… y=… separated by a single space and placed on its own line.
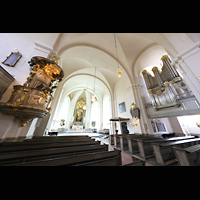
x=79 y=60
x=84 y=68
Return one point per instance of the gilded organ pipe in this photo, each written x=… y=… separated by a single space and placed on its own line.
x=164 y=87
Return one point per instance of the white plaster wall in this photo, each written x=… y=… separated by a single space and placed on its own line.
x=179 y=41
x=123 y=94
x=28 y=46
x=189 y=123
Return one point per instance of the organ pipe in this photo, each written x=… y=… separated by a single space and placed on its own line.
x=160 y=88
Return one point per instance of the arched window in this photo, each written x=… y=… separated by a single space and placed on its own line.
x=106 y=112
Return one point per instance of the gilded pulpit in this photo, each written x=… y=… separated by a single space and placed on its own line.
x=32 y=99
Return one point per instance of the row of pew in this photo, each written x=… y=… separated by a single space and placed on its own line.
x=157 y=151
x=58 y=151
x=84 y=151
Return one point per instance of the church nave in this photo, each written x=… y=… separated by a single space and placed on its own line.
x=121 y=85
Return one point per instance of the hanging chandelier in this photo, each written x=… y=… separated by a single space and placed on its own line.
x=119 y=72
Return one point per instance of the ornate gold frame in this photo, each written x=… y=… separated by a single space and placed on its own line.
x=5 y=62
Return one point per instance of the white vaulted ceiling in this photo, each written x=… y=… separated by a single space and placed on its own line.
x=81 y=53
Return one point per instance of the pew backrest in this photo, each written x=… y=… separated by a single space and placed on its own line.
x=27 y=156
x=44 y=146
x=79 y=160
x=166 y=147
x=179 y=142
x=57 y=137
x=181 y=156
x=70 y=140
x=135 y=163
x=185 y=155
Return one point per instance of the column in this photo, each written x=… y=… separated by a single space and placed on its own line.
x=143 y=116
x=69 y=120
x=54 y=105
x=101 y=116
x=88 y=109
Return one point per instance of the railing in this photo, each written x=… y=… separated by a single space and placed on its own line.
x=178 y=97
x=184 y=95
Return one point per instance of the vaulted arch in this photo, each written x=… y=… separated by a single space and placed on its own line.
x=149 y=57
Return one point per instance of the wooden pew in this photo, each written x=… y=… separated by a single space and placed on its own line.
x=111 y=139
x=164 y=153
x=124 y=144
x=73 y=151
x=189 y=156
x=135 y=163
x=127 y=141
x=13 y=148
x=107 y=158
x=143 y=151
x=132 y=142
x=45 y=137
x=146 y=148
x=46 y=141
x=116 y=140
x=33 y=155
x=37 y=138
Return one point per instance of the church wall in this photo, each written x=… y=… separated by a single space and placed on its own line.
x=9 y=43
x=188 y=123
x=25 y=43
x=179 y=41
x=167 y=125
x=188 y=64
x=29 y=46
x=175 y=125
x=123 y=94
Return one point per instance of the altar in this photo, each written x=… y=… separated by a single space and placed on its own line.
x=77 y=127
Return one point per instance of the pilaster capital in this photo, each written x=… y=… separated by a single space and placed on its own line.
x=41 y=47
x=45 y=49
